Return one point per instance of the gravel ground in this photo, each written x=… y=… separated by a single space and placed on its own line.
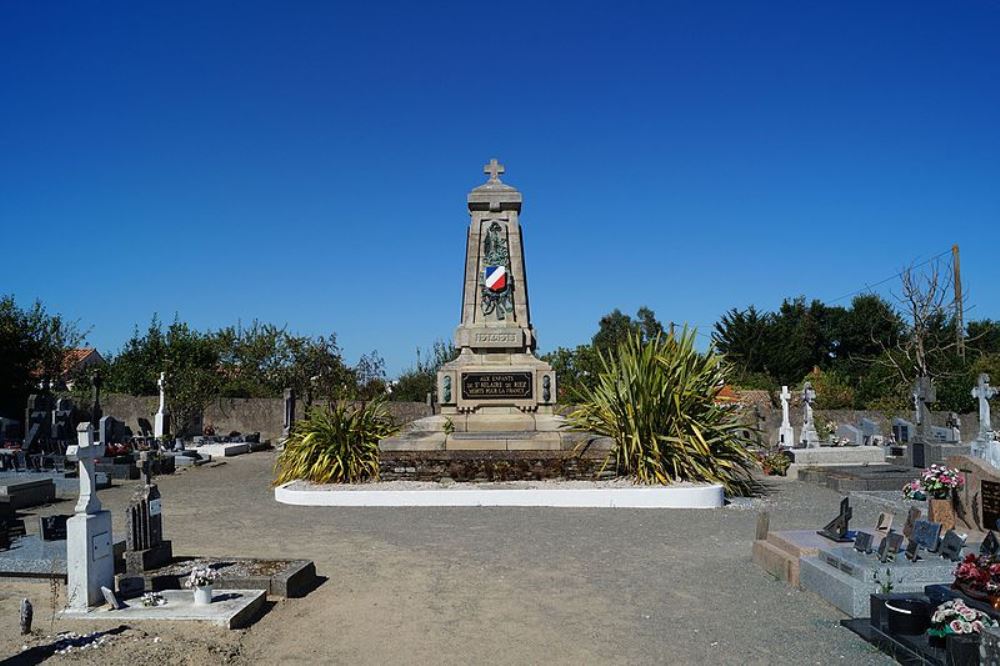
x=475 y=585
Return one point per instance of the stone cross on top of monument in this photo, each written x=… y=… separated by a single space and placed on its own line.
x=494 y=169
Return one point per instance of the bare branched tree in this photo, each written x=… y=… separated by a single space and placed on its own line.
x=926 y=301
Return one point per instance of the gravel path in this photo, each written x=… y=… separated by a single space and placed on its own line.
x=481 y=585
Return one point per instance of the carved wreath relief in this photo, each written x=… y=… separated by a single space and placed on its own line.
x=495 y=281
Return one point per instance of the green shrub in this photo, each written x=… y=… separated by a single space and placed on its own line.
x=335 y=444
x=656 y=400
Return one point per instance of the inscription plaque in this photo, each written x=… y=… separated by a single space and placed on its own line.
x=497 y=385
x=991 y=504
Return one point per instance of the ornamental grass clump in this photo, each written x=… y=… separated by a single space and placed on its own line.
x=335 y=444
x=657 y=400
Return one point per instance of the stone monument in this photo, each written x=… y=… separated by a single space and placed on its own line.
x=89 y=559
x=810 y=438
x=496 y=395
x=160 y=423
x=923 y=393
x=984 y=446
x=289 y=416
x=786 y=434
x=145 y=547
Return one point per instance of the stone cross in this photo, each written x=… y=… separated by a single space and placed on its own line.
x=289 y=416
x=786 y=434
x=494 y=169
x=984 y=392
x=923 y=393
x=160 y=420
x=809 y=435
x=86 y=453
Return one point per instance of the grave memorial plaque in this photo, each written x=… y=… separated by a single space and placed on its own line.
x=927 y=534
x=863 y=542
x=990 y=498
x=53 y=528
x=990 y=545
x=952 y=544
x=911 y=517
x=889 y=547
x=884 y=523
x=912 y=548
x=497 y=385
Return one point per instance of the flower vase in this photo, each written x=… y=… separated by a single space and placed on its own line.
x=203 y=595
x=963 y=650
x=941 y=511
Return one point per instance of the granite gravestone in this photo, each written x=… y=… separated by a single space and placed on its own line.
x=990 y=545
x=952 y=545
x=927 y=534
x=145 y=547
x=889 y=547
x=884 y=523
x=863 y=542
x=911 y=517
x=53 y=528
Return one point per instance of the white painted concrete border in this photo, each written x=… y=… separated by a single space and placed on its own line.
x=644 y=497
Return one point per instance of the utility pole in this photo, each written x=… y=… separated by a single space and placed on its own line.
x=959 y=323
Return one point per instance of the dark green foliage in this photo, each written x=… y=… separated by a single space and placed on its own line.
x=33 y=344
x=414 y=384
x=657 y=400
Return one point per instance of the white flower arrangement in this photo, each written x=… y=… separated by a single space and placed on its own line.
x=153 y=599
x=201 y=577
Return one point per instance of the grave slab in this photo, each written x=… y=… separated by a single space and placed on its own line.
x=223 y=450
x=845 y=577
x=838 y=455
x=231 y=609
x=780 y=553
x=846 y=478
x=30 y=492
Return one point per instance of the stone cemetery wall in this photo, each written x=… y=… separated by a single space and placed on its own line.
x=263 y=415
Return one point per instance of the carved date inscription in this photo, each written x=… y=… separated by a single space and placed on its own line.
x=496 y=385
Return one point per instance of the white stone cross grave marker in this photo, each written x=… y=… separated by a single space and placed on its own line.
x=494 y=169
x=160 y=425
x=984 y=392
x=89 y=561
x=810 y=438
x=786 y=434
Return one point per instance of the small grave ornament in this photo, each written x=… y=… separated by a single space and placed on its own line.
x=863 y=543
x=912 y=551
x=927 y=534
x=889 y=547
x=836 y=529
x=990 y=545
x=884 y=523
x=952 y=545
x=912 y=516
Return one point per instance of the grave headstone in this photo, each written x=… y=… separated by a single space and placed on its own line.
x=62 y=421
x=289 y=414
x=952 y=545
x=902 y=430
x=927 y=534
x=111 y=598
x=810 y=438
x=863 y=542
x=89 y=560
x=836 y=529
x=38 y=422
x=889 y=547
x=871 y=434
x=911 y=517
x=145 y=547
x=786 y=434
x=849 y=435
x=161 y=419
x=96 y=412
x=53 y=528
x=912 y=550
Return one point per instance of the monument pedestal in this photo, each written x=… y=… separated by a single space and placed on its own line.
x=90 y=562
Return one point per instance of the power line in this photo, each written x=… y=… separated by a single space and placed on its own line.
x=869 y=287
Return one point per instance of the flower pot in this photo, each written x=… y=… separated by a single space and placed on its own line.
x=941 y=511
x=908 y=616
x=203 y=595
x=963 y=650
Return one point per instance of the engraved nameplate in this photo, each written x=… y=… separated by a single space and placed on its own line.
x=990 y=499
x=154 y=507
x=497 y=385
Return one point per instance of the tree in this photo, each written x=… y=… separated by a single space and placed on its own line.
x=33 y=345
x=414 y=384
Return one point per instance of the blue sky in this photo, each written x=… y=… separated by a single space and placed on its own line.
x=307 y=163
